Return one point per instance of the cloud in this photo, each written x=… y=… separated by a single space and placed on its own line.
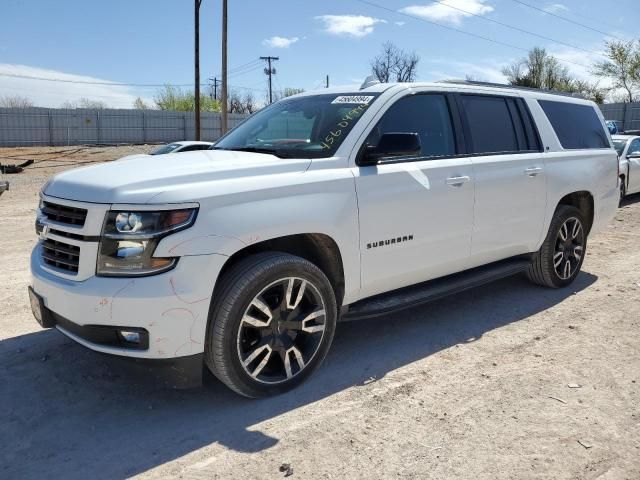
x=53 y=94
x=279 y=42
x=400 y=24
x=556 y=8
x=357 y=26
x=446 y=11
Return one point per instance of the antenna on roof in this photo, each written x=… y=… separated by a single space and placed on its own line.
x=368 y=82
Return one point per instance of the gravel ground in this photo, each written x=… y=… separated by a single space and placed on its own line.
x=505 y=381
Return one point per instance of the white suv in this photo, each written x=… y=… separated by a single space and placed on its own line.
x=324 y=206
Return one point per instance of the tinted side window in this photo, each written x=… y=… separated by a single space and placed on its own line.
x=634 y=148
x=577 y=126
x=426 y=115
x=490 y=124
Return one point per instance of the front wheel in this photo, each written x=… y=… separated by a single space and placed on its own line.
x=271 y=325
x=560 y=257
x=623 y=189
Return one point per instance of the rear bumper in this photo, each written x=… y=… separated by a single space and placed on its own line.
x=171 y=308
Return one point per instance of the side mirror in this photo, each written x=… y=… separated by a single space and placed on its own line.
x=392 y=145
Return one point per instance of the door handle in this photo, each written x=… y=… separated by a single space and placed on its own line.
x=533 y=171
x=458 y=181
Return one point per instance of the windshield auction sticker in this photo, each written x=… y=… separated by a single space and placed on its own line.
x=354 y=99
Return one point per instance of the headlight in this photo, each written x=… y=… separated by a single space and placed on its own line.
x=130 y=238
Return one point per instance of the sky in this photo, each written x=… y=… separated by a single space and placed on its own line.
x=146 y=43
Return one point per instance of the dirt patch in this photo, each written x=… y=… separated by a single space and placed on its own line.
x=506 y=381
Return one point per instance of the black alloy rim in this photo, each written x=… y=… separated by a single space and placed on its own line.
x=281 y=330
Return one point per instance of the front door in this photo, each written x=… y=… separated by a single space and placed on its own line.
x=416 y=213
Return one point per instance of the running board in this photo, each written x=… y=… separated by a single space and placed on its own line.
x=425 y=292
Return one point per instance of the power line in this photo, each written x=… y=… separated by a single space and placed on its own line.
x=564 y=18
x=518 y=29
x=464 y=32
x=112 y=84
x=29 y=77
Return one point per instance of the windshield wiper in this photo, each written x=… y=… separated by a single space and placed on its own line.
x=268 y=151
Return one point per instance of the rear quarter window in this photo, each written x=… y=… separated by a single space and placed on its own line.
x=577 y=126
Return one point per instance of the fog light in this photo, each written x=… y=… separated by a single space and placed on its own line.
x=129 y=336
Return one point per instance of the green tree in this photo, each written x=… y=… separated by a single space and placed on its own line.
x=176 y=99
x=622 y=66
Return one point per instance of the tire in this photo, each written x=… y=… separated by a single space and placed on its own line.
x=546 y=271
x=623 y=189
x=265 y=337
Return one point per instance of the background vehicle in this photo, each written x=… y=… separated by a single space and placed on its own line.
x=323 y=206
x=614 y=126
x=628 y=148
x=178 y=147
x=174 y=147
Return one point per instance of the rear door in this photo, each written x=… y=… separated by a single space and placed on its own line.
x=510 y=184
x=415 y=213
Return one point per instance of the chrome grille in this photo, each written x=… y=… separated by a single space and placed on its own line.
x=64 y=214
x=61 y=255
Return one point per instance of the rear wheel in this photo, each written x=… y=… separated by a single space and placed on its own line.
x=560 y=257
x=271 y=324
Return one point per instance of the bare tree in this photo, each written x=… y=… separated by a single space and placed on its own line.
x=93 y=104
x=394 y=64
x=622 y=66
x=250 y=104
x=15 y=101
x=235 y=103
x=539 y=70
x=286 y=92
x=140 y=104
x=240 y=104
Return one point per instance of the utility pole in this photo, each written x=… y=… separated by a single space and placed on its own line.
x=327 y=82
x=270 y=71
x=223 y=107
x=215 y=83
x=197 y=67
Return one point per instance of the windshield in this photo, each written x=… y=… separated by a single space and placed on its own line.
x=165 y=149
x=304 y=127
x=619 y=145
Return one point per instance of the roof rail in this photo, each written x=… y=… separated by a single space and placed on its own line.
x=512 y=87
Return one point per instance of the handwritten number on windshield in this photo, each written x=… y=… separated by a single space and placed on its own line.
x=344 y=123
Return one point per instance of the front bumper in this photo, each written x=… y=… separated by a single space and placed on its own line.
x=172 y=307
x=4 y=186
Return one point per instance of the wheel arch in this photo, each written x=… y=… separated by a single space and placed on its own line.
x=318 y=248
x=583 y=201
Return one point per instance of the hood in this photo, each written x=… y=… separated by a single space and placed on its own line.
x=166 y=178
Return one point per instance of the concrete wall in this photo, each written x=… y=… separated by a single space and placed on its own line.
x=56 y=126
